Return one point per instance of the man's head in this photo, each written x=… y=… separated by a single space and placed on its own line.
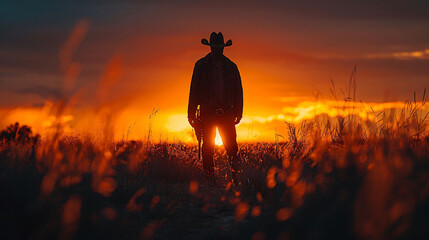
x=217 y=43
x=217 y=51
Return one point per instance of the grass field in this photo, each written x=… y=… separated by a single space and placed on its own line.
x=342 y=178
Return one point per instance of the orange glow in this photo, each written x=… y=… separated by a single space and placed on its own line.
x=218 y=139
x=271 y=180
x=71 y=180
x=241 y=211
x=260 y=236
x=155 y=201
x=193 y=187
x=128 y=123
x=150 y=229
x=283 y=214
x=132 y=206
x=292 y=178
x=107 y=186
x=259 y=197
x=228 y=186
x=256 y=211
x=109 y=213
x=71 y=211
x=48 y=183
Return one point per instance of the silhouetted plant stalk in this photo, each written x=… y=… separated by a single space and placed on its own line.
x=149 y=131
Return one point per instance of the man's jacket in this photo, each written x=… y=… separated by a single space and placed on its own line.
x=201 y=88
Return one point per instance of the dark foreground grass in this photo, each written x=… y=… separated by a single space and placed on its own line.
x=305 y=188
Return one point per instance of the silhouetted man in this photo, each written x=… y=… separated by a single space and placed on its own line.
x=216 y=100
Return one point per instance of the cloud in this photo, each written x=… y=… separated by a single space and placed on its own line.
x=363 y=9
x=397 y=55
x=43 y=91
x=309 y=109
x=406 y=55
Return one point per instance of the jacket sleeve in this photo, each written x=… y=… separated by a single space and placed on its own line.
x=193 y=93
x=238 y=107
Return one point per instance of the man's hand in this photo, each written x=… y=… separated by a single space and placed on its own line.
x=237 y=120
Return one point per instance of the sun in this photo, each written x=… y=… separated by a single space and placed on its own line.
x=218 y=139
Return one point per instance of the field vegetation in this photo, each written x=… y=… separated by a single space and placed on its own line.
x=327 y=178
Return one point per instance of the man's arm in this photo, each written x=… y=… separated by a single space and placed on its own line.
x=194 y=94
x=238 y=108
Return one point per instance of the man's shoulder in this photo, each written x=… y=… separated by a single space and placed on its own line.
x=230 y=63
x=203 y=60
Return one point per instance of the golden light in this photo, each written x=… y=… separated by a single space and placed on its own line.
x=177 y=122
x=218 y=139
x=133 y=123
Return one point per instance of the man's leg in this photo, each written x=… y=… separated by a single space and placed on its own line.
x=229 y=138
x=209 y=135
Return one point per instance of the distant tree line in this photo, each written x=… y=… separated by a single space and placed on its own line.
x=19 y=134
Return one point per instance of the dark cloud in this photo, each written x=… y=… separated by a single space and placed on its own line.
x=38 y=104
x=363 y=9
x=342 y=9
x=44 y=92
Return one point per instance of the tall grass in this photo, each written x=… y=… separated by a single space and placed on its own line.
x=344 y=177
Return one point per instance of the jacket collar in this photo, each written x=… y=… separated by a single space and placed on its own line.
x=207 y=59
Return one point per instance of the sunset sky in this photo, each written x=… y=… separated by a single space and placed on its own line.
x=131 y=57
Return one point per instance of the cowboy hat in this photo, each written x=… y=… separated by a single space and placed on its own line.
x=216 y=40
